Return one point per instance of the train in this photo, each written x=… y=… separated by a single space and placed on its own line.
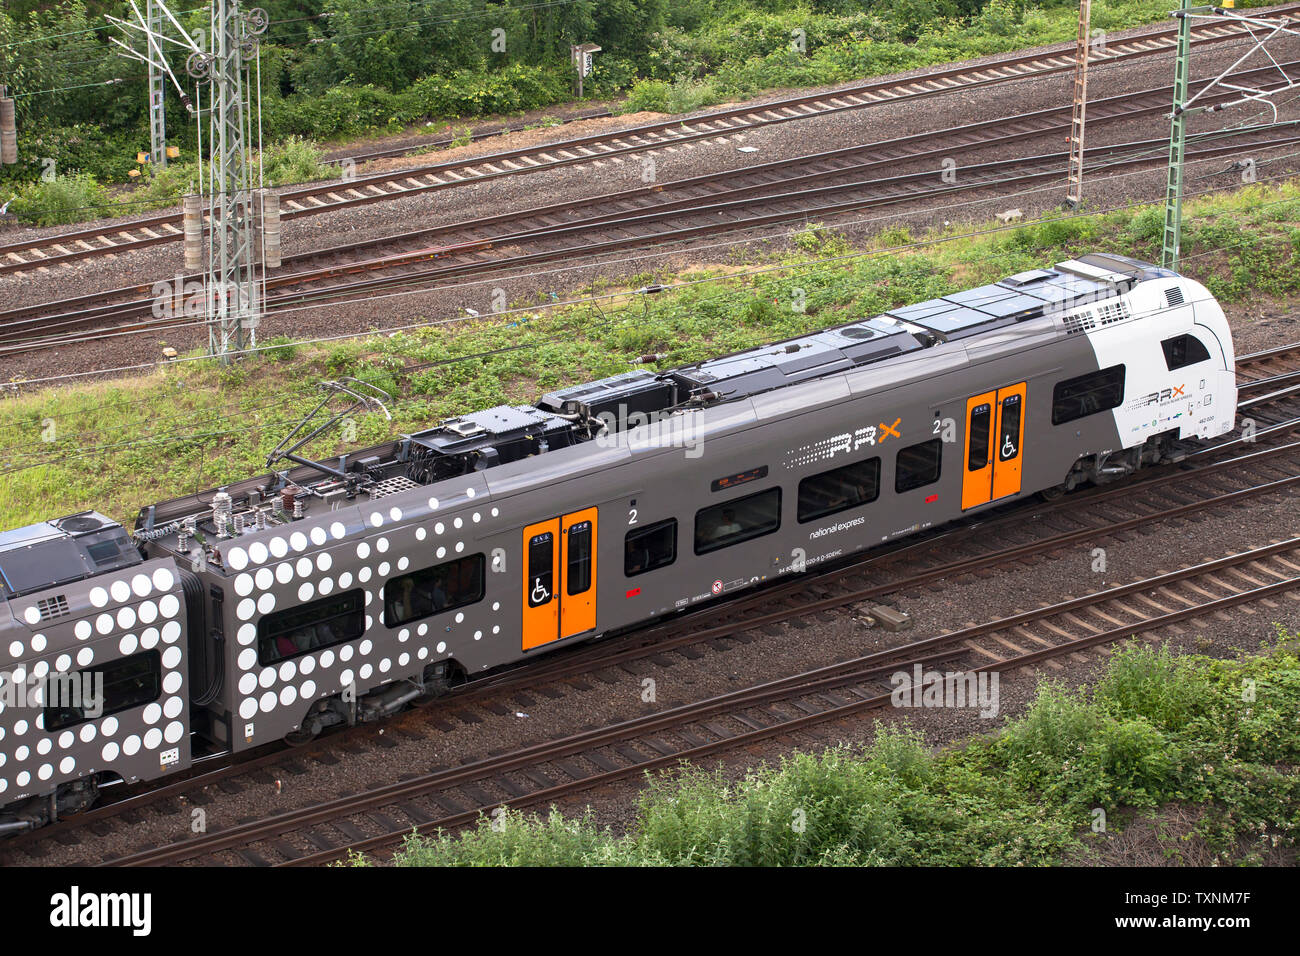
x=333 y=592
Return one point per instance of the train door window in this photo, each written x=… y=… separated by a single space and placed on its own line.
x=981 y=426
x=1184 y=350
x=918 y=465
x=1009 y=429
x=429 y=591
x=651 y=547
x=721 y=526
x=1086 y=395
x=541 y=565
x=839 y=489
x=578 y=570
x=299 y=630
x=77 y=697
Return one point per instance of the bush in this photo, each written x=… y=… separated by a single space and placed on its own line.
x=295 y=160
x=62 y=200
x=648 y=95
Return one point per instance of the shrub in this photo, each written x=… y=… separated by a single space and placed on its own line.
x=62 y=200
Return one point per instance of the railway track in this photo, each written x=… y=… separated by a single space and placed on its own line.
x=1270 y=388
x=540 y=774
x=45 y=253
x=817 y=186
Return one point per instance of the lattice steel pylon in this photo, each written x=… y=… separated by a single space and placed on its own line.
x=232 y=290
x=232 y=283
x=1074 y=181
x=157 y=91
x=1177 y=144
x=1261 y=30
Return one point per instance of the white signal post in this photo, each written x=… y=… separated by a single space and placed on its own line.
x=583 y=61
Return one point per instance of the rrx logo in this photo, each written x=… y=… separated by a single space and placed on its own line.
x=1164 y=395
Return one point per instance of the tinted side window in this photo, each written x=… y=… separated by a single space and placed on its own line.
x=839 y=489
x=428 y=591
x=1184 y=350
x=308 y=627
x=918 y=465
x=981 y=417
x=126 y=683
x=578 y=573
x=651 y=547
x=1087 y=394
x=732 y=522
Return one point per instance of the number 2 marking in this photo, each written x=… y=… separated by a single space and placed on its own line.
x=631 y=516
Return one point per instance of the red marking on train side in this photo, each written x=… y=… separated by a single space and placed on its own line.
x=634 y=592
x=931 y=499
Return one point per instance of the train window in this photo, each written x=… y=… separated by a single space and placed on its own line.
x=1009 y=439
x=981 y=417
x=918 y=465
x=443 y=587
x=721 y=526
x=99 y=691
x=299 y=630
x=541 y=569
x=651 y=547
x=1184 y=350
x=578 y=573
x=839 y=489
x=1087 y=394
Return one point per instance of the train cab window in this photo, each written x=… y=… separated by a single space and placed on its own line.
x=981 y=427
x=1088 y=394
x=429 y=591
x=541 y=569
x=75 y=698
x=839 y=489
x=651 y=547
x=299 y=630
x=1184 y=350
x=578 y=572
x=721 y=526
x=918 y=465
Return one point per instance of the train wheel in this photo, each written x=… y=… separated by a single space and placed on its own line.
x=302 y=736
x=1055 y=493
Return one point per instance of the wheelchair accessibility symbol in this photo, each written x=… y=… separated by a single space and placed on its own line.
x=540 y=595
x=1008 y=448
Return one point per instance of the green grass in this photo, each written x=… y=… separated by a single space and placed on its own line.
x=1220 y=735
x=191 y=425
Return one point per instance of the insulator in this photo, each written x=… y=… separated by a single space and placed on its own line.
x=222 y=511
x=193 y=218
x=8 y=132
x=270 y=229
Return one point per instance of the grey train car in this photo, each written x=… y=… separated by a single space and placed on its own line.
x=339 y=591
